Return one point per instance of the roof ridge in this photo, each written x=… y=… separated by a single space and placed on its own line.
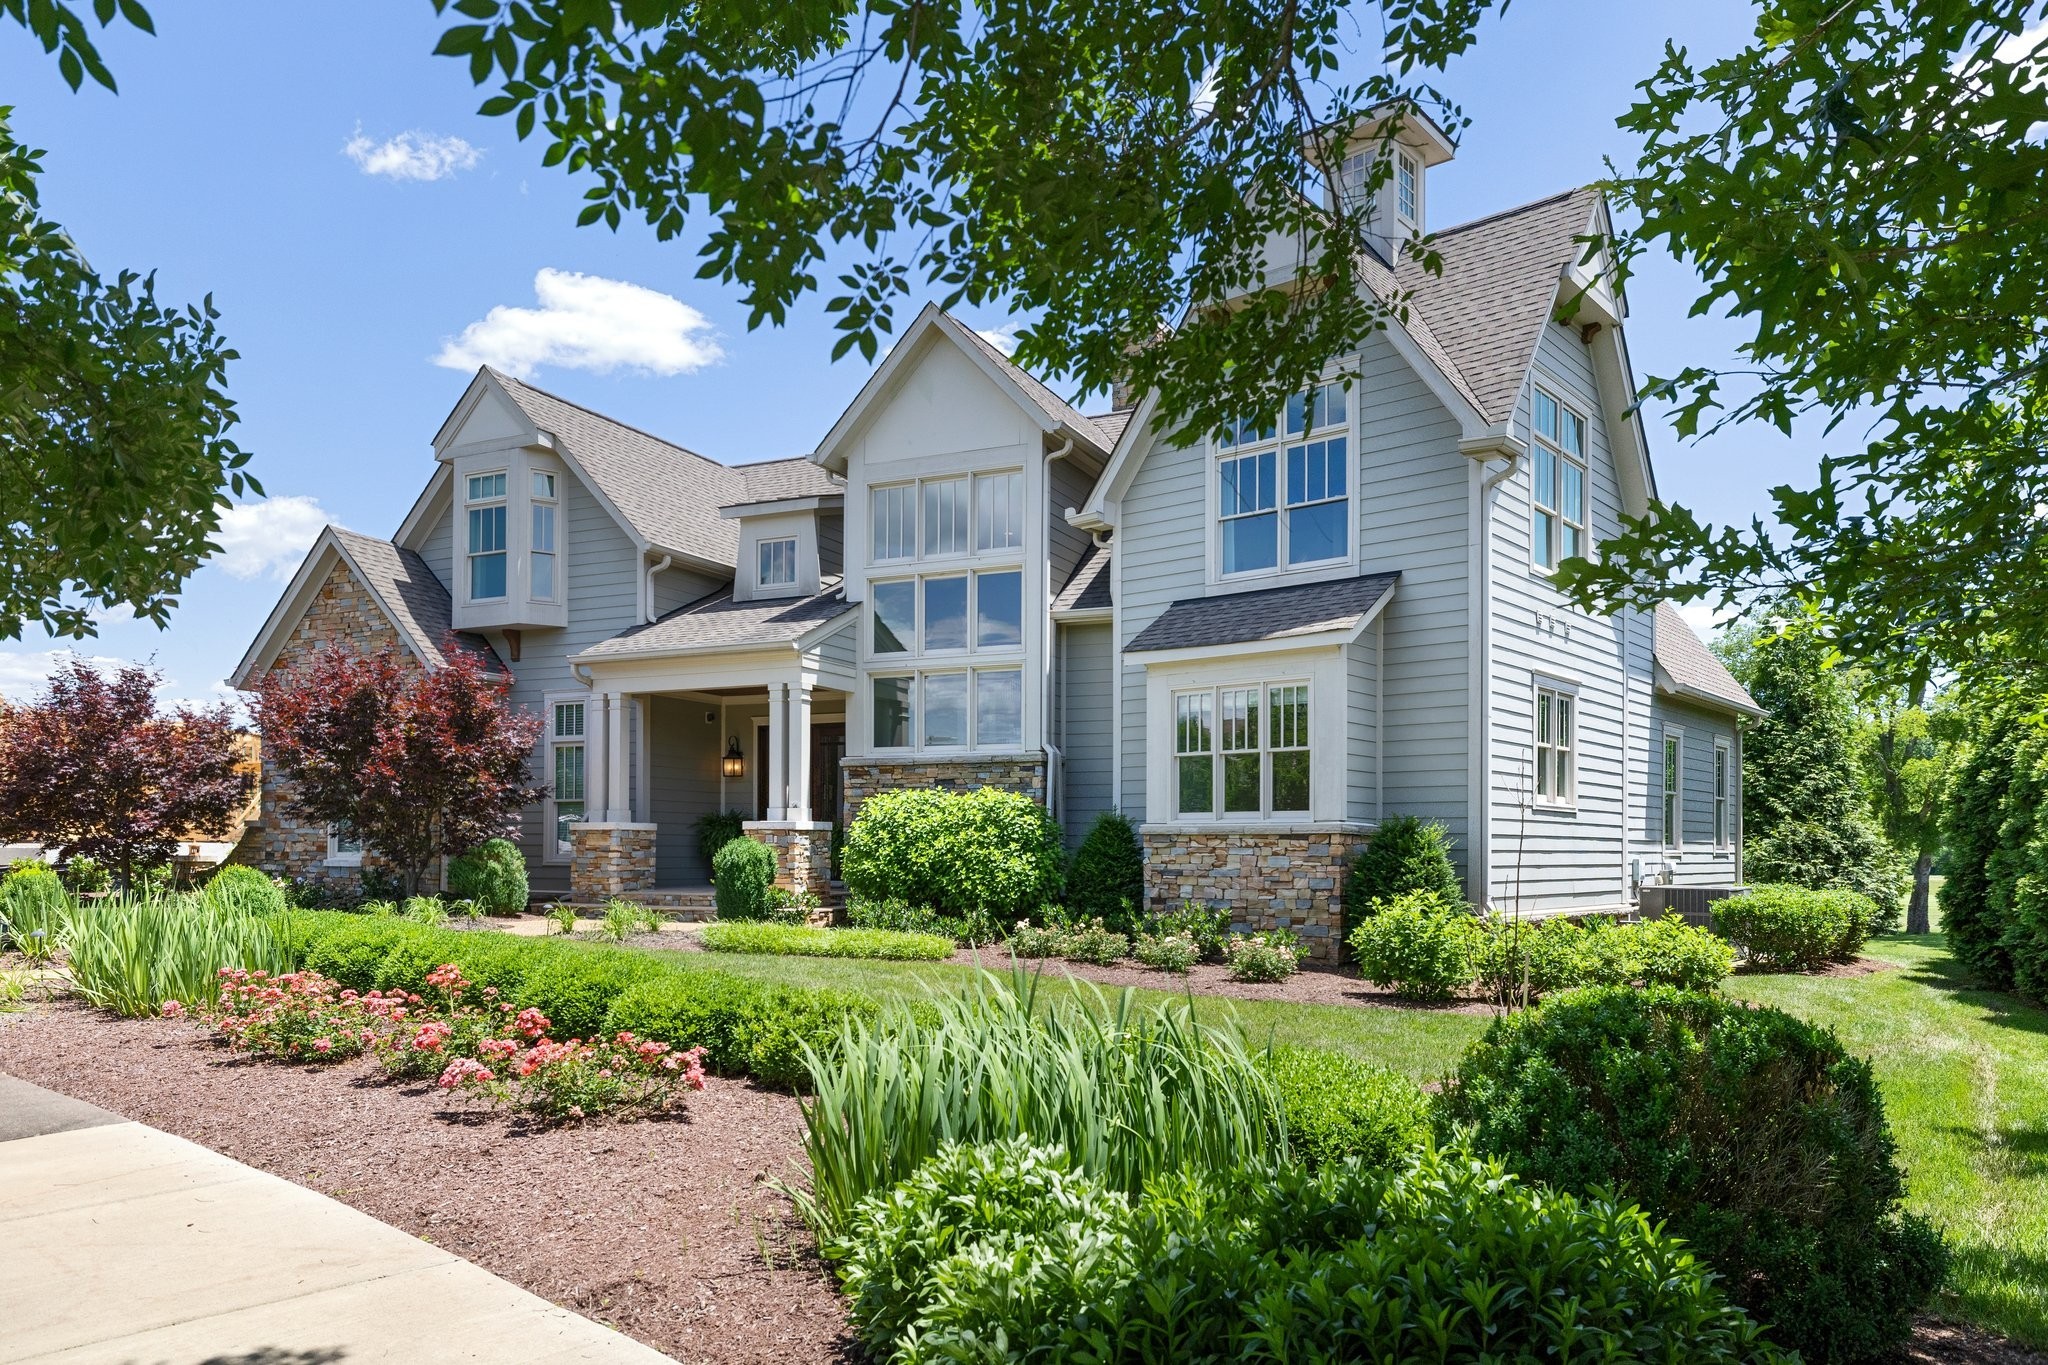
x=606 y=417
x=1498 y=214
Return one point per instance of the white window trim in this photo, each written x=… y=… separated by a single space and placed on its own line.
x=1408 y=161
x=900 y=661
x=536 y=501
x=1584 y=461
x=337 y=856
x=551 y=851
x=504 y=552
x=1216 y=752
x=1724 y=794
x=1673 y=833
x=920 y=554
x=1556 y=687
x=761 y=549
x=973 y=672
x=1282 y=571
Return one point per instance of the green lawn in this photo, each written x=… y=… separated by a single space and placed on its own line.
x=1965 y=1080
x=1964 y=1073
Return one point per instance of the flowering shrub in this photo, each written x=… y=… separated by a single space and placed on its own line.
x=1174 y=953
x=1273 y=955
x=460 y=1034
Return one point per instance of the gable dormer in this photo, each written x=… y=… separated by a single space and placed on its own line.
x=789 y=530
x=509 y=488
x=1383 y=172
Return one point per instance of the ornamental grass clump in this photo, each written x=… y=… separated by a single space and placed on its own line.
x=130 y=954
x=1129 y=1092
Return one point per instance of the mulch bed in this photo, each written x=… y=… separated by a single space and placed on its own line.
x=667 y=1230
x=1943 y=1343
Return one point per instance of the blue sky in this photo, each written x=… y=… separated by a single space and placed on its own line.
x=250 y=153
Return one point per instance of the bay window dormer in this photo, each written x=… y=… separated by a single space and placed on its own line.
x=511 y=545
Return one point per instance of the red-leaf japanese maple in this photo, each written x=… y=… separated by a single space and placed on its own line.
x=91 y=766
x=417 y=763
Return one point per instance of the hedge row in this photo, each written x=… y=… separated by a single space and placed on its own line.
x=747 y=1027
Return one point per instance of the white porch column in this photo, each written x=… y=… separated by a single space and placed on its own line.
x=596 y=756
x=617 y=771
x=778 y=752
x=799 y=805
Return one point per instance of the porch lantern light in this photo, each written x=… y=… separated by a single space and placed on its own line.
x=735 y=761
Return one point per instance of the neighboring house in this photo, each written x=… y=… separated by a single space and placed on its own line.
x=1255 y=643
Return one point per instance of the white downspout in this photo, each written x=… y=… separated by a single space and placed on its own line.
x=1055 y=760
x=1482 y=817
x=647 y=587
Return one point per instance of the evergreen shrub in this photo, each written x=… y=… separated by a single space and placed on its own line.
x=1789 y=928
x=1404 y=854
x=959 y=853
x=743 y=879
x=1422 y=944
x=1338 y=1107
x=1107 y=878
x=493 y=874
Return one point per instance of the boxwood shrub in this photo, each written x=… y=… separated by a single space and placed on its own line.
x=1404 y=854
x=493 y=874
x=747 y=1027
x=742 y=877
x=1004 y=1251
x=798 y=940
x=1790 y=928
x=1338 y=1107
x=1754 y=1135
x=990 y=851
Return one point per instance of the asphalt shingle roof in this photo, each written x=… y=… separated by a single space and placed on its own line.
x=1691 y=668
x=1112 y=424
x=1087 y=587
x=418 y=604
x=798 y=477
x=1268 y=614
x=1500 y=276
x=669 y=495
x=718 y=622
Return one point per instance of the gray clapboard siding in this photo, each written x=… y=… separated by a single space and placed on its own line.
x=1066 y=486
x=1158 y=559
x=1697 y=862
x=1542 y=858
x=831 y=543
x=675 y=588
x=1361 y=728
x=1086 y=663
x=684 y=786
x=839 y=648
x=439 y=547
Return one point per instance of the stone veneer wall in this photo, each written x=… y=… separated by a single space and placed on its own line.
x=803 y=857
x=342 y=614
x=862 y=778
x=607 y=860
x=1267 y=880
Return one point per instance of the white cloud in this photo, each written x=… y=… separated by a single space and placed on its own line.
x=2021 y=46
x=411 y=156
x=1701 y=616
x=23 y=672
x=269 y=537
x=587 y=322
x=1003 y=338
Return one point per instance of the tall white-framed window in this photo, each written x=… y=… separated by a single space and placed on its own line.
x=568 y=768
x=892 y=514
x=948 y=709
x=947 y=613
x=1557 y=746
x=776 y=563
x=1283 y=487
x=1407 y=188
x=1241 y=751
x=545 y=503
x=485 y=509
x=999 y=510
x=1724 y=828
x=1557 y=528
x=943 y=517
x=344 y=846
x=1673 y=788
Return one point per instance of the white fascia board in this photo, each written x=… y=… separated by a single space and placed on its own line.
x=422 y=513
x=736 y=510
x=289 y=608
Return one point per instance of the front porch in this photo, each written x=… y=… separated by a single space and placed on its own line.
x=673 y=740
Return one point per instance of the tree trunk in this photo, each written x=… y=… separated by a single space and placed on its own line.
x=1916 y=912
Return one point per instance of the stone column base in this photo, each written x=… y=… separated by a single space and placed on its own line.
x=803 y=853
x=609 y=859
x=860 y=779
x=1278 y=879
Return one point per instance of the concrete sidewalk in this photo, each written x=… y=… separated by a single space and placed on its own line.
x=122 y=1245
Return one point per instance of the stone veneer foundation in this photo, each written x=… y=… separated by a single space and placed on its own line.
x=344 y=615
x=1267 y=879
x=803 y=857
x=609 y=859
x=862 y=778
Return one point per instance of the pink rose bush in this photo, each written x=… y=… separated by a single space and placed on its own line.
x=463 y=1038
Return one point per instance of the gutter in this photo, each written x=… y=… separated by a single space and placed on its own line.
x=1495 y=444
x=647 y=588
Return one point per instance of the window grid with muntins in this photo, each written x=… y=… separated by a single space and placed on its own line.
x=1242 y=750
x=933 y=518
x=566 y=735
x=1405 y=186
x=1557 y=778
x=1674 y=801
x=1265 y=521
x=486 y=515
x=777 y=567
x=1722 y=833
x=1558 y=474
x=343 y=844
x=543 y=536
x=931 y=709
x=998 y=511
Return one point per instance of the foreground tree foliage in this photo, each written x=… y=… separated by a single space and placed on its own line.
x=418 y=764
x=114 y=417
x=91 y=767
x=1907 y=748
x=1994 y=904
x=1862 y=185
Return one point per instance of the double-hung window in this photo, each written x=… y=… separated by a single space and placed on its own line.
x=567 y=763
x=344 y=846
x=544 y=505
x=1557 y=776
x=1407 y=183
x=1242 y=751
x=486 y=513
x=1283 y=488
x=1723 y=830
x=1674 y=797
x=1558 y=470
x=777 y=567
